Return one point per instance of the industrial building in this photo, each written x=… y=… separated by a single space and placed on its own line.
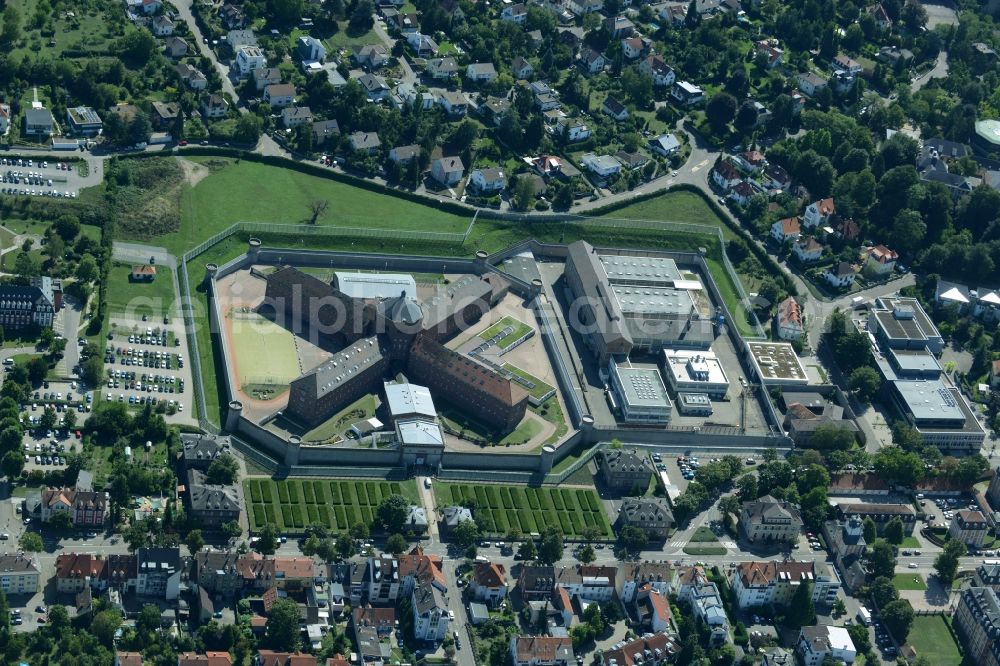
x=627 y=302
x=696 y=372
x=639 y=393
x=939 y=413
x=776 y=364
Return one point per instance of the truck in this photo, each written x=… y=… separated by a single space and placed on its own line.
x=864 y=616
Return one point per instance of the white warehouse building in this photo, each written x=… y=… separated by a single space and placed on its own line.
x=693 y=371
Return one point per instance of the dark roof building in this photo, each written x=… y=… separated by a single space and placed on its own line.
x=212 y=504
x=651 y=515
x=201 y=449
x=346 y=376
x=624 y=470
x=31 y=305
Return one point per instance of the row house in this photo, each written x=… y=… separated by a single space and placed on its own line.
x=661 y=576
x=74 y=572
x=774 y=583
x=86 y=508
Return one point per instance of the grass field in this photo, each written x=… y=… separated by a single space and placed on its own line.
x=294 y=504
x=252 y=192
x=500 y=508
x=139 y=298
x=704 y=535
x=684 y=207
x=930 y=637
x=361 y=409
x=519 y=329
x=909 y=581
x=267 y=349
x=541 y=388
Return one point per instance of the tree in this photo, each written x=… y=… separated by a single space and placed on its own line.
x=894 y=531
x=317 y=208
x=587 y=554
x=870 y=531
x=898 y=466
x=865 y=382
x=392 y=513
x=729 y=505
x=223 y=470
x=267 y=540
x=248 y=129
x=721 y=110
x=232 y=529
x=946 y=563
x=195 y=541
x=524 y=192
x=107 y=622
x=550 y=547
x=67 y=226
x=283 y=625
x=882 y=559
x=527 y=550
x=86 y=270
x=801 y=610
x=38 y=368
x=747 y=485
x=139 y=129
x=31 y=542
x=395 y=544
x=860 y=637
x=344 y=546
x=361 y=18
x=832 y=437
x=465 y=534
x=13 y=464
x=11 y=26
x=93 y=371
x=632 y=538
x=359 y=531
x=898 y=618
x=746 y=117
x=839 y=607
x=883 y=591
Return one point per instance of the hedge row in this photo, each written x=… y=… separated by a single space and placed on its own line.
x=294 y=504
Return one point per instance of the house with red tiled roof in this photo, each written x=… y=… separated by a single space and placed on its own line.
x=338 y=661
x=725 y=175
x=652 y=609
x=489 y=583
x=772 y=54
x=662 y=646
x=76 y=571
x=807 y=249
x=848 y=485
x=128 y=659
x=881 y=260
x=86 y=508
x=788 y=320
x=415 y=568
x=847 y=229
x=774 y=583
x=541 y=651
x=383 y=620
x=818 y=213
x=207 y=659
x=142 y=273
x=272 y=658
x=787 y=229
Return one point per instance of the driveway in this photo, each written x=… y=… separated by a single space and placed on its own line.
x=184 y=11
x=939 y=71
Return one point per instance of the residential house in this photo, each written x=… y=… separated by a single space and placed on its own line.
x=619 y=26
x=249 y=58
x=969 y=527
x=846 y=64
x=632 y=576
x=365 y=141
x=652 y=610
x=631 y=161
x=19 y=574
x=265 y=77
x=846 y=542
x=840 y=276
x=162 y=26
x=725 y=176
x=807 y=249
x=769 y=51
x=656 y=68
x=614 y=108
x=128 y=658
x=651 y=515
x=447 y=170
x=774 y=583
x=810 y=83
x=536 y=582
x=705 y=601
x=750 y=161
x=150 y=7
x=38 y=121
x=237 y=39
x=847 y=229
x=977 y=623
x=572 y=129
x=489 y=583
x=987 y=575
x=376 y=89
x=218 y=573
x=212 y=504
x=158 y=572
x=541 y=651
x=442 y=68
x=324 y=130
x=880 y=514
x=190 y=76
x=232 y=17
x=788 y=320
x=403 y=154
x=818 y=213
x=665 y=145
x=661 y=647
x=452 y=517
x=175 y=47
x=454 y=103
x=487 y=181
x=893 y=56
x=603 y=166
x=308 y=48
x=4 y=118
x=674 y=14
x=880 y=261
x=210 y=658
x=201 y=450
x=76 y=572
x=622 y=470
x=214 y=106
x=816 y=643
x=770 y=520
x=787 y=229
x=280 y=95
x=86 y=508
x=84 y=121
x=881 y=17
x=430 y=614
x=592 y=61
x=521 y=69
x=423 y=46
x=370 y=56
x=272 y=658
x=517 y=13
x=481 y=72
x=742 y=193
x=584 y=7
x=687 y=94
x=633 y=48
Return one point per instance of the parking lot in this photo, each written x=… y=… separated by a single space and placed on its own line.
x=24 y=176
x=45 y=446
x=146 y=367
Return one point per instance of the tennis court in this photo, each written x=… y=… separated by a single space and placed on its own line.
x=265 y=352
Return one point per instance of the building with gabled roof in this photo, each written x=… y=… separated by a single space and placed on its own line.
x=622 y=470
x=788 y=319
x=770 y=520
x=649 y=514
x=489 y=583
x=541 y=651
x=771 y=582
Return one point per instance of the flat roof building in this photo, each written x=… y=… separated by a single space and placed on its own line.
x=374 y=286
x=641 y=271
x=777 y=364
x=639 y=392
x=901 y=323
x=694 y=404
x=695 y=371
x=940 y=413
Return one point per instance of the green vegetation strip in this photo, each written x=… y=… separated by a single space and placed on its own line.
x=909 y=581
x=500 y=508
x=930 y=637
x=294 y=504
x=705 y=550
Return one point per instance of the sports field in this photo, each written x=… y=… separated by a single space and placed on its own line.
x=500 y=508
x=518 y=329
x=540 y=389
x=294 y=504
x=265 y=352
x=930 y=637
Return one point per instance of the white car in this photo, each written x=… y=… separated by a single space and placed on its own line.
x=912 y=565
